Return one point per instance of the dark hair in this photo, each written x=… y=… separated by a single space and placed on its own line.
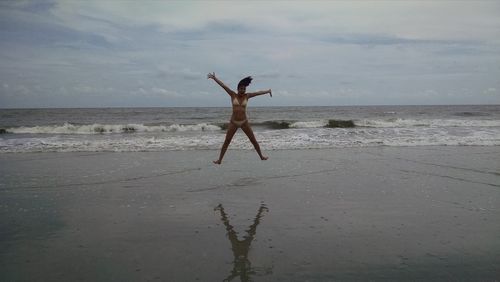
x=245 y=81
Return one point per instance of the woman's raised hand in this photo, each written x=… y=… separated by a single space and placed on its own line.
x=211 y=75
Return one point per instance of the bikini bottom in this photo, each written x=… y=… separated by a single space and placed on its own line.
x=238 y=123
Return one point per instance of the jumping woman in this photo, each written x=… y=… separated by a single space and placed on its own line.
x=239 y=116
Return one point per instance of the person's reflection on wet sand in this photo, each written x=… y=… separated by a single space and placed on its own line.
x=241 y=265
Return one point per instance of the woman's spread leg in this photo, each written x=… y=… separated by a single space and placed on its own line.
x=249 y=132
x=231 y=130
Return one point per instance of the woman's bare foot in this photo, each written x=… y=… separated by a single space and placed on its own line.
x=217 y=162
x=264 y=158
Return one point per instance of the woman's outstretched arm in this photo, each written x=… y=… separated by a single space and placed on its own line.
x=228 y=90
x=253 y=94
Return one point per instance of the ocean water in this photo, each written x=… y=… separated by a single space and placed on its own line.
x=276 y=128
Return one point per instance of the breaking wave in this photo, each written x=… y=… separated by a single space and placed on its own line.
x=282 y=124
x=401 y=123
x=69 y=128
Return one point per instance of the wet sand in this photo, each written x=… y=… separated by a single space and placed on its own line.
x=378 y=214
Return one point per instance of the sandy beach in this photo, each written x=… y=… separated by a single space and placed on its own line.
x=352 y=214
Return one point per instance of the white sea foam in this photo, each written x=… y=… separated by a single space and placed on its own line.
x=309 y=124
x=399 y=122
x=300 y=138
x=68 y=128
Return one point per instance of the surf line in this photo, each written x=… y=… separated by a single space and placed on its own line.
x=253 y=183
x=450 y=177
x=103 y=182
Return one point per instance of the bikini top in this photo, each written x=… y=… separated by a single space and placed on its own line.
x=236 y=102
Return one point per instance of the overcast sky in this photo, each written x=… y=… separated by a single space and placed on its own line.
x=151 y=53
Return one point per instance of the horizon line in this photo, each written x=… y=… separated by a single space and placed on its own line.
x=311 y=106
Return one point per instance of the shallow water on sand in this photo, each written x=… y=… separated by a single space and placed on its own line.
x=384 y=213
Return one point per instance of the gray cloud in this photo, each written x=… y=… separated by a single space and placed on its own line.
x=185 y=74
x=101 y=53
